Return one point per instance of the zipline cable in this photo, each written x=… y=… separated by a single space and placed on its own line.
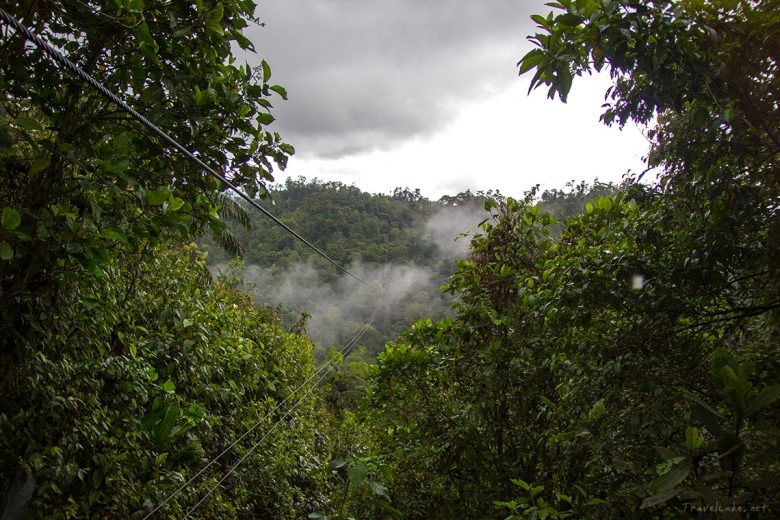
x=326 y=366
x=277 y=423
x=57 y=56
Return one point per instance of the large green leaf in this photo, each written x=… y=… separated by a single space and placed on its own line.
x=378 y=489
x=279 y=90
x=6 y=251
x=162 y=432
x=10 y=219
x=659 y=498
x=768 y=395
x=357 y=472
x=264 y=118
x=669 y=480
x=693 y=438
x=266 y=71
x=28 y=123
x=157 y=196
x=705 y=415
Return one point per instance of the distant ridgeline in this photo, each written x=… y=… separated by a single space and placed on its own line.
x=404 y=238
x=354 y=226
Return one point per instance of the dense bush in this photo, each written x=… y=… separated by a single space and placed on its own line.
x=585 y=375
x=142 y=377
x=625 y=363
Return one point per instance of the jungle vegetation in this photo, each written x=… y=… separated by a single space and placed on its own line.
x=610 y=352
x=403 y=238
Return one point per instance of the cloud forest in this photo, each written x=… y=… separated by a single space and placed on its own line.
x=221 y=343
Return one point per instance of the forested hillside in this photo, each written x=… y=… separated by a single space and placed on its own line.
x=404 y=241
x=597 y=351
x=394 y=239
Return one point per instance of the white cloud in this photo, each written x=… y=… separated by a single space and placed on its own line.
x=426 y=95
x=506 y=140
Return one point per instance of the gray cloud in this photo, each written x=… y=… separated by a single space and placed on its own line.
x=365 y=74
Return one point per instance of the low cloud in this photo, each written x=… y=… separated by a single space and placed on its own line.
x=403 y=292
x=452 y=227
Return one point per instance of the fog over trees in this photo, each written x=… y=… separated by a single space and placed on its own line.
x=593 y=351
x=404 y=243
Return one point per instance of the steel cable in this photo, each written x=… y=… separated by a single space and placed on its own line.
x=57 y=56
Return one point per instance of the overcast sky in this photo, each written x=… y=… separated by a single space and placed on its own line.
x=425 y=94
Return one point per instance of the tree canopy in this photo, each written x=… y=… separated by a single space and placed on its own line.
x=124 y=368
x=82 y=179
x=626 y=365
x=611 y=352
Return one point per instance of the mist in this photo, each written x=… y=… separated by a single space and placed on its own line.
x=452 y=227
x=338 y=308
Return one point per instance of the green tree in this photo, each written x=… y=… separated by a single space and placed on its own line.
x=80 y=179
x=629 y=362
x=704 y=76
x=124 y=367
x=707 y=71
x=571 y=356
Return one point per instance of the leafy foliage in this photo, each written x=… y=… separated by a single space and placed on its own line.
x=82 y=180
x=556 y=370
x=124 y=366
x=615 y=359
x=708 y=72
x=146 y=375
x=637 y=339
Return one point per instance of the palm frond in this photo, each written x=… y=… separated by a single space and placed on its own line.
x=230 y=208
x=228 y=241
